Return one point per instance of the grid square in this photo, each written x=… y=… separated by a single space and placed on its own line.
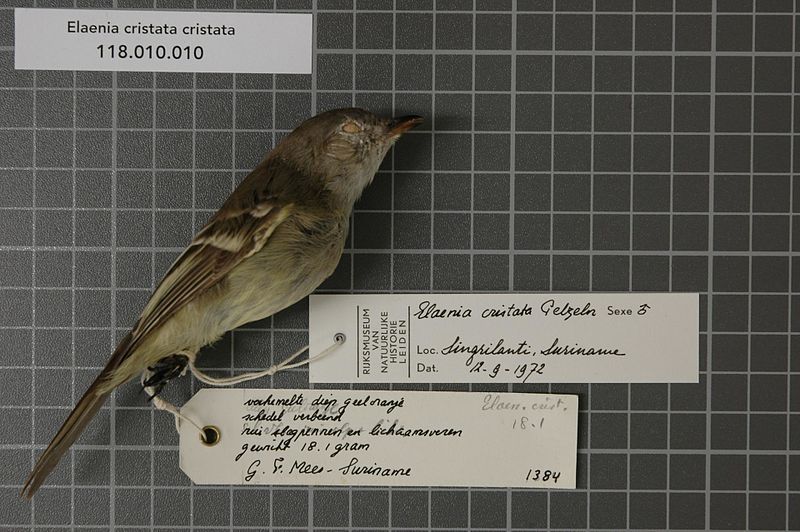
x=412 y=272
x=687 y=431
x=734 y=74
x=648 y=471
x=573 y=32
x=690 y=193
x=692 y=32
x=692 y=74
x=772 y=74
x=492 y=112
x=334 y=30
x=491 y=192
x=572 y=112
x=687 y=472
x=531 y=272
x=734 y=32
x=768 y=352
x=53 y=108
x=612 y=113
x=771 y=114
x=573 y=73
x=687 y=511
x=534 y=72
x=728 y=472
x=774 y=438
x=528 y=510
x=767 y=511
x=374 y=30
x=533 y=112
x=728 y=511
x=610 y=273
x=490 y=272
x=571 y=192
x=613 y=73
x=653 y=73
x=613 y=32
x=409 y=509
x=489 y=230
x=452 y=191
x=93 y=109
x=571 y=231
x=732 y=193
x=534 y=32
x=330 y=507
x=570 y=272
x=650 y=273
x=653 y=32
x=289 y=507
x=611 y=231
x=492 y=31
x=453 y=72
x=568 y=510
x=414 y=30
x=370 y=508
x=571 y=152
x=457 y=266
x=773 y=33
x=648 y=510
x=454 y=31
x=453 y=112
x=492 y=72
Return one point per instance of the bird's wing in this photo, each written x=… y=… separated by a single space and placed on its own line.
x=238 y=230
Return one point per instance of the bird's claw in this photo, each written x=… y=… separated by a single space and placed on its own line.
x=162 y=372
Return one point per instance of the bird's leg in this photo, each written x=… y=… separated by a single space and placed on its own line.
x=164 y=371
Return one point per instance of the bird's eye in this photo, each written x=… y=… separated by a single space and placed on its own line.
x=351 y=127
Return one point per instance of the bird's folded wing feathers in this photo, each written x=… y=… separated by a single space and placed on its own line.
x=215 y=251
x=230 y=237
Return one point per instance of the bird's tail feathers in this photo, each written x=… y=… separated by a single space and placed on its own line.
x=75 y=424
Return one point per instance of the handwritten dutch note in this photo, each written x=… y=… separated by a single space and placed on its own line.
x=344 y=437
x=525 y=338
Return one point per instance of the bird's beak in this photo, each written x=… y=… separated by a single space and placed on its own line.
x=402 y=124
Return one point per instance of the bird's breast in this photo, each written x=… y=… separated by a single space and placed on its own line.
x=293 y=263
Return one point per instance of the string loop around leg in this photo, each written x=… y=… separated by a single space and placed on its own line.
x=289 y=363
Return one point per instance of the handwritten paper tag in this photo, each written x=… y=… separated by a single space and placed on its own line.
x=162 y=41
x=386 y=438
x=632 y=337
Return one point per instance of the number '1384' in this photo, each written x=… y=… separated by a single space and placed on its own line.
x=545 y=475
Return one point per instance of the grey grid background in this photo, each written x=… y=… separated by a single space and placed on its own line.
x=570 y=145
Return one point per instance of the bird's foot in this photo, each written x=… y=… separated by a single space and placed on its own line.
x=164 y=371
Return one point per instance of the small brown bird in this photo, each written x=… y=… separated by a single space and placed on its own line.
x=275 y=239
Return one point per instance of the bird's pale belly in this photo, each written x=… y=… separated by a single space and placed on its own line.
x=259 y=288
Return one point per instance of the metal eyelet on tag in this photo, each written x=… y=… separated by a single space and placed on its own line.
x=210 y=436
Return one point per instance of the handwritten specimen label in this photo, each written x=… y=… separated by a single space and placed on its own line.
x=522 y=338
x=408 y=438
x=162 y=41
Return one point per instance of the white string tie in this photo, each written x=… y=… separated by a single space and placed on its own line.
x=162 y=404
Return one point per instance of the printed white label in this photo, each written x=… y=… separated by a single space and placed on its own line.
x=344 y=437
x=523 y=338
x=162 y=41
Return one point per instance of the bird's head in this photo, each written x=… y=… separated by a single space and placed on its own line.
x=344 y=147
